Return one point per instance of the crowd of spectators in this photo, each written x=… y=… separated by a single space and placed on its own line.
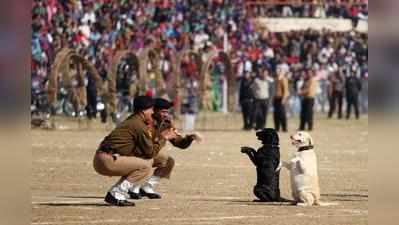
x=97 y=29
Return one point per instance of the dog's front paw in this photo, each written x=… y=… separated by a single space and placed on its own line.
x=246 y=149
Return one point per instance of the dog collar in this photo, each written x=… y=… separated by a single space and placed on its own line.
x=304 y=148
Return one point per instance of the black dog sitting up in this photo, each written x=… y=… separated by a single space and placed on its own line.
x=267 y=161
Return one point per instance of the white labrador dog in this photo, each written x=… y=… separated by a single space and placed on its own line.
x=303 y=171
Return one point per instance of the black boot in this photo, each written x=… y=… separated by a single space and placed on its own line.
x=134 y=195
x=110 y=199
x=149 y=195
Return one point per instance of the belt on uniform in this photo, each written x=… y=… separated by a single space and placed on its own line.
x=104 y=152
x=106 y=148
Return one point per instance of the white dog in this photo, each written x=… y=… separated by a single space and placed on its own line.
x=303 y=171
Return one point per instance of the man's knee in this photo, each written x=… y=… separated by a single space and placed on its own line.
x=162 y=162
x=164 y=170
x=170 y=162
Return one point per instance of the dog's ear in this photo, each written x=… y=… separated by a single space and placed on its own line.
x=276 y=140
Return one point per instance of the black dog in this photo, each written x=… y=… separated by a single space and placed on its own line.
x=267 y=161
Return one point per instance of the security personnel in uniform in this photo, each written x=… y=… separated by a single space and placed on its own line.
x=279 y=100
x=247 y=101
x=307 y=92
x=353 y=86
x=335 y=94
x=129 y=151
x=163 y=162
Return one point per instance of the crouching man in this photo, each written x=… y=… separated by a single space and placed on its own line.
x=129 y=152
x=163 y=162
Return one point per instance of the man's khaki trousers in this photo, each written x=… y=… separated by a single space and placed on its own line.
x=164 y=165
x=131 y=168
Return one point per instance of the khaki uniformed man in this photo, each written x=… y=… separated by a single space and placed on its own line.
x=163 y=162
x=129 y=151
x=279 y=101
x=308 y=91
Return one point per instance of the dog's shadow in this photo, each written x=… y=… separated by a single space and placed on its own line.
x=248 y=202
x=342 y=197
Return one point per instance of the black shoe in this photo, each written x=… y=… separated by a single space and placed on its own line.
x=134 y=195
x=149 y=195
x=113 y=201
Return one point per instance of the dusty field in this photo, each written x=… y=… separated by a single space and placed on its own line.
x=211 y=184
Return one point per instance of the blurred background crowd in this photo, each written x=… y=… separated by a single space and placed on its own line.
x=97 y=29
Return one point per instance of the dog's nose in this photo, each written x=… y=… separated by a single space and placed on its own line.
x=291 y=136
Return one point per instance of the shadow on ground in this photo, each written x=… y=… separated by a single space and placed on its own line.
x=63 y=204
x=285 y=202
x=89 y=197
x=346 y=197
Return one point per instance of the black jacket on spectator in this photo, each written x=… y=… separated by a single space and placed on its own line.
x=246 y=92
x=353 y=86
x=246 y=102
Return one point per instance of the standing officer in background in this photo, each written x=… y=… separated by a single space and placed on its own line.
x=307 y=92
x=91 y=107
x=279 y=101
x=335 y=94
x=129 y=151
x=247 y=101
x=163 y=162
x=353 y=87
x=261 y=95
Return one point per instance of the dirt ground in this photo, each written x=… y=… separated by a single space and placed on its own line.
x=211 y=183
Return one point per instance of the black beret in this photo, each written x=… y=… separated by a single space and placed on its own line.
x=160 y=103
x=142 y=103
